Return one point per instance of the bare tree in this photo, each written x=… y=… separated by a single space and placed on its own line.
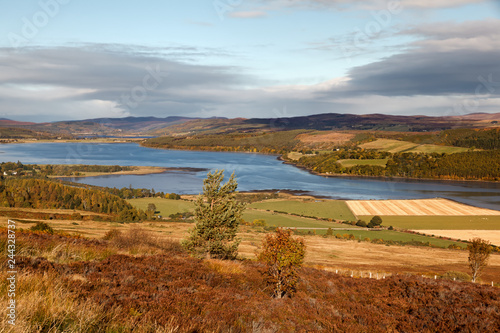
x=479 y=252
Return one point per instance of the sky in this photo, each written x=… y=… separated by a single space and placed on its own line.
x=72 y=60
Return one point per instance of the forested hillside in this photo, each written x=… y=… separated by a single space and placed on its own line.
x=40 y=194
x=479 y=165
x=264 y=142
x=472 y=138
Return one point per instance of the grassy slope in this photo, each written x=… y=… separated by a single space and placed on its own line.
x=396 y=146
x=440 y=222
x=350 y=163
x=282 y=220
x=387 y=235
x=164 y=206
x=334 y=209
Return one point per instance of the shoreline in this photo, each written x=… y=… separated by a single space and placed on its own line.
x=278 y=156
x=138 y=171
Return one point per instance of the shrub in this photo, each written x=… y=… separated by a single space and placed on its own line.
x=457 y=276
x=375 y=222
x=259 y=223
x=42 y=226
x=112 y=234
x=283 y=256
x=361 y=223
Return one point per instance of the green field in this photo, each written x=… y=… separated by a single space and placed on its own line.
x=350 y=163
x=389 y=235
x=437 y=149
x=440 y=222
x=397 y=146
x=282 y=220
x=334 y=209
x=165 y=207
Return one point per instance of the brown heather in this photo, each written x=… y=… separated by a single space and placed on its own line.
x=162 y=289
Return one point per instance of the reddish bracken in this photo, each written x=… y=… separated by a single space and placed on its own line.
x=175 y=289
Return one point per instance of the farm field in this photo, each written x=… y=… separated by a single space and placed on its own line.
x=327 y=253
x=428 y=148
x=330 y=137
x=492 y=235
x=421 y=207
x=396 y=146
x=438 y=222
x=165 y=207
x=388 y=235
x=334 y=209
x=353 y=162
x=288 y=221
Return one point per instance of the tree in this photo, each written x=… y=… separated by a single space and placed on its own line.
x=217 y=216
x=283 y=256
x=375 y=222
x=151 y=209
x=479 y=252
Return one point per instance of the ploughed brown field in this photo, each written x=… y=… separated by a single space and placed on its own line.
x=420 y=207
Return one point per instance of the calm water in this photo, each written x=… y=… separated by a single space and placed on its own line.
x=253 y=171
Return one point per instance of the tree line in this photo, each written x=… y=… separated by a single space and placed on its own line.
x=58 y=169
x=47 y=194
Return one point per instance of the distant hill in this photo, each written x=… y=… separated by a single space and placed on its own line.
x=8 y=122
x=178 y=125
x=107 y=126
x=332 y=121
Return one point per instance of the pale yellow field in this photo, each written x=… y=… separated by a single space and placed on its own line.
x=327 y=253
x=492 y=235
x=330 y=137
x=421 y=207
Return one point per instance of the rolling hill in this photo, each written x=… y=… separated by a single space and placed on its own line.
x=178 y=125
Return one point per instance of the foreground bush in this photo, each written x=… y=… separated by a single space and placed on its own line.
x=283 y=256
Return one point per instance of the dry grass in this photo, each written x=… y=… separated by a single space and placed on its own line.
x=328 y=252
x=423 y=207
x=492 y=235
x=44 y=304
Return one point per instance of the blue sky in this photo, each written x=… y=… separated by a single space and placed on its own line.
x=68 y=59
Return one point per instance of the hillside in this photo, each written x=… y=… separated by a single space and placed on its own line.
x=162 y=289
x=178 y=125
x=10 y=133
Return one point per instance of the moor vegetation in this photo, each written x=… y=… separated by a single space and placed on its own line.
x=134 y=283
